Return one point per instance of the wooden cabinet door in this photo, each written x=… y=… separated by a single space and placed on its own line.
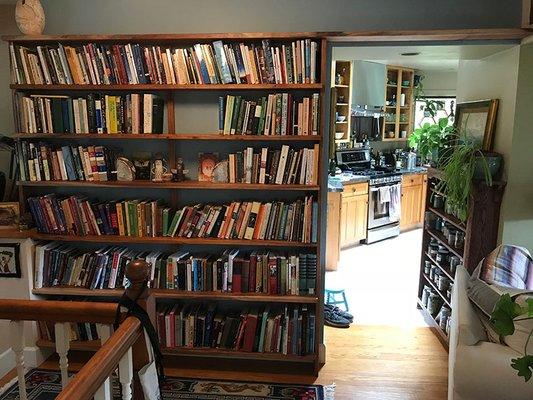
x=333 y=231
x=354 y=219
x=411 y=206
x=361 y=217
x=407 y=216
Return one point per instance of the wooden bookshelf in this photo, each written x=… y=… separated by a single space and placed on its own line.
x=481 y=234
x=168 y=136
x=171 y=185
x=167 y=141
x=116 y=239
x=341 y=99
x=167 y=87
x=179 y=295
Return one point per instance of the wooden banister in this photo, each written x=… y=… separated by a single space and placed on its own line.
x=89 y=379
x=57 y=311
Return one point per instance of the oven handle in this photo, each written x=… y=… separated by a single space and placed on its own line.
x=375 y=188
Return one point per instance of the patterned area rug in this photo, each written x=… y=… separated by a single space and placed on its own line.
x=46 y=385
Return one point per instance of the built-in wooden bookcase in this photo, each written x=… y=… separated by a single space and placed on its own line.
x=201 y=191
x=398 y=119
x=342 y=100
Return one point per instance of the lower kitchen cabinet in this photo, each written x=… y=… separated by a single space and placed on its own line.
x=354 y=214
x=414 y=188
x=347 y=220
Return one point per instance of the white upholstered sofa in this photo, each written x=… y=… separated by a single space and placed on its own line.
x=477 y=368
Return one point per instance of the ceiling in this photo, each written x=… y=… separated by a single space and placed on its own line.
x=431 y=58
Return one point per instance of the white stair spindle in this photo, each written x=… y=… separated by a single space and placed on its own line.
x=105 y=391
x=17 y=345
x=125 y=374
x=62 y=334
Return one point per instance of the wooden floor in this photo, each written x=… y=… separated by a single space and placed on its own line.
x=364 y=362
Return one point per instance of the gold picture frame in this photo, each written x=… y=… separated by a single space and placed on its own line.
x=477 y=119
x=9 y=215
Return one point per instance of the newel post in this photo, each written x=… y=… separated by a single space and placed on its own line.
x=138 y=273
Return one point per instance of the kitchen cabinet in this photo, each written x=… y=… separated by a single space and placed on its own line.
x=354 y=214
x=414 y=188
x=347 y=219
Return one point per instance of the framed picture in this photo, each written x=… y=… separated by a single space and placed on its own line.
x=9 y=260
x=206 y=165
x=476 y=120
x=9 y=215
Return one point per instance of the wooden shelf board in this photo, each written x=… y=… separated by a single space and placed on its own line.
x=88 y=345
x=211 y=352
x=342 y=104
x=224 y=296
x=448 y=218
x=341 y=122
x=77 y=291
x=341 y=86
x=170 y=185
x=434 y=286
x=157 y=87
x=162 y=37
x=441 y=239
x=167 y=136
x=446 y=270
x=179 y=294
x=434 y=326
x=168 y=240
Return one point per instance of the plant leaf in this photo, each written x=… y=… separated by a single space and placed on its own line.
x=505 y=311
x=524 y=366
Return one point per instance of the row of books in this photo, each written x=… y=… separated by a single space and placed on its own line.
x=277 y=114
x=80 y=331
x=233 y=271
x=215 y=63
x=285 y=166
x=284 y=330
x=95 y=113
x=43 y=162
x=77 y=215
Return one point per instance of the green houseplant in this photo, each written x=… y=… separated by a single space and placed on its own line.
x=430 y=139
x=462 y=164
x=506 y=312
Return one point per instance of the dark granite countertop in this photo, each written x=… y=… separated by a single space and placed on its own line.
x=337 y=182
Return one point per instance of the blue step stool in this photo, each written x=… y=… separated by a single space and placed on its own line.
x=331 y=299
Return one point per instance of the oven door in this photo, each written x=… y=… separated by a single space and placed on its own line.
x=379 y=212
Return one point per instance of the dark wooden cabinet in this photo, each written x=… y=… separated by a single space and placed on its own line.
x=481 y=236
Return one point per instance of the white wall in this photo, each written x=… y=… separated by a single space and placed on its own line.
x=507 y=76
x=19 y=288
x=439 y=83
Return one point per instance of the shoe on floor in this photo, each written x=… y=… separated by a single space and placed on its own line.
x=335 y=320
x=338 y=311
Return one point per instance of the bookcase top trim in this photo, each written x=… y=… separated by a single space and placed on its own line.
x=165 y=37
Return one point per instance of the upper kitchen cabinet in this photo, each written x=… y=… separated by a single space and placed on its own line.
x=341 y=100
x=368 y=84
x=399 y=98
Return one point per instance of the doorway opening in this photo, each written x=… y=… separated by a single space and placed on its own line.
x=382 y=95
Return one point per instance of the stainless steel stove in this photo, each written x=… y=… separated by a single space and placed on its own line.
x=384 y=197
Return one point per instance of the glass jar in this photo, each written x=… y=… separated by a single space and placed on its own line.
x=459 y=239
x=438 y=201
x=425 y=295
x=443 y=256
x=429 y=220
x=451 y=236
x=433 y=248
x=439 y=224
x=427 y=267
x=432 y=270
x=436 y=274
x=444 y=315
x=443 y=283
x=434 y=303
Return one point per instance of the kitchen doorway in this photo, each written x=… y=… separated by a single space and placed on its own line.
x=380 y=96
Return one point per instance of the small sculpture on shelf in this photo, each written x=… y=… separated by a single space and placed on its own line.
x=178 y=173
x=160 y=171
x=125 y=169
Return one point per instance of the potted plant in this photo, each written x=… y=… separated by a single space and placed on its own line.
x=505 y=313
x=462 y=164
x=430 y=139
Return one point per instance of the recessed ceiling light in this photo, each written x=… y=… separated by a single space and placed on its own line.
x=411 y=54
